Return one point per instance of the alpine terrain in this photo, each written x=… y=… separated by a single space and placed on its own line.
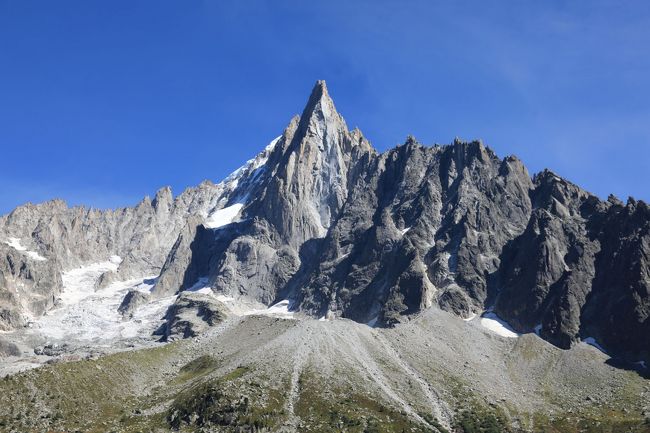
x=325 y=286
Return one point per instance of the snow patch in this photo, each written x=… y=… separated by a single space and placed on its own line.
x=281 y=310
x=494 y=323
x=204 y=291
x=223 y=217
x=225 y=299
x=592 y=342
x=200 y=286
x=18 y=246
x=269 y=147
x=405 y=231
x=254 y=167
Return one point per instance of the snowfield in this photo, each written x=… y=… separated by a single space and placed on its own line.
x=281 y=310
x=494 y=323
x=85 y=315
x=253 y=169
x=223 y=217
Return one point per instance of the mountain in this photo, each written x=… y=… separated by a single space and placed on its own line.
x=343 y=231
x=389 y=250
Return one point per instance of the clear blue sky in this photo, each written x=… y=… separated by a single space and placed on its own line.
x=103 y=102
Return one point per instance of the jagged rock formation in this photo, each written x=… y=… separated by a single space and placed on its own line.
x=28 y=286
x=70 y=237
x=580 y=268
x=132 y=300
x=321 y=218
x=52 y=238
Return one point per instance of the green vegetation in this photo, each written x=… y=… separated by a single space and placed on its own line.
x=575 y=424
x=196 y=368
x=87 y=395
x=146 y=391
x=324 y=408
x=226 y=403
x=481 y=421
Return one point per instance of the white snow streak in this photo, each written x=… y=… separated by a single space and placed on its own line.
x=281 y=309
x=373 y=322
x=592 y=342
x=18 y=246
x=494 y=323
x=223 y=216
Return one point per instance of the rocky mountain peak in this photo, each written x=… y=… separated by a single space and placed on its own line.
x=322 y=121
x=163 y=199
x=314 y=173
x=319 y=96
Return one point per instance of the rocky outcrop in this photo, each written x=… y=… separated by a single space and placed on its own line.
x=181 y=268
x=26 y=285
x=425 y=226
x=580 y=270
x=131 y=302
x=617 y=311
x=191 y=314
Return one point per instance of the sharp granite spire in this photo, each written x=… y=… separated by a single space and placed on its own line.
x=315 y=172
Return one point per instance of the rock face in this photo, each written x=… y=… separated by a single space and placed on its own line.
x=321 y=218
x=27 y=285
x=71 y=237
x=39 y=242
x=131 y=302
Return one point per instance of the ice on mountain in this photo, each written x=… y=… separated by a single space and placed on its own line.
x=83 y=314
x=16 y=244
x=223 y=216
x=494 y=323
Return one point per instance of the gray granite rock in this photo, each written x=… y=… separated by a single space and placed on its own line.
x=191 y=314
x=131 y=302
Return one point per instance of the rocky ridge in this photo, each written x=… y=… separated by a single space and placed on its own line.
x=322 y=219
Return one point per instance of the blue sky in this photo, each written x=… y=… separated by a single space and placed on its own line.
x=102 y=103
